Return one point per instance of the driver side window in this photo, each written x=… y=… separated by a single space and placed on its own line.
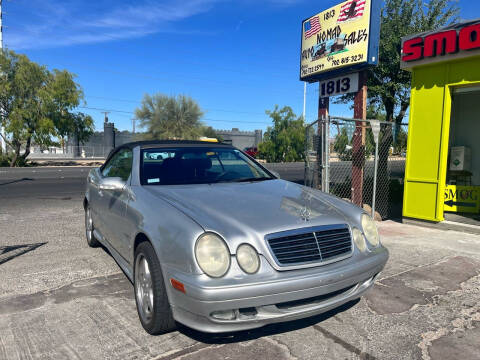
x=120 y=165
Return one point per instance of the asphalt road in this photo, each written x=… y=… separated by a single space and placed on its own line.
x=63 y=182
x=42 y=182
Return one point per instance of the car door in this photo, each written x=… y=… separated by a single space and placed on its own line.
x=113 y=203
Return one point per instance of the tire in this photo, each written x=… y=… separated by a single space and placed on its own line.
x=91 y=240
x=151 y=298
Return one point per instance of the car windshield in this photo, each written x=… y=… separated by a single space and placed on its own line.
x=202 y=165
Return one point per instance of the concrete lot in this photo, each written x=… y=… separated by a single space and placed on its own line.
x=60 y=299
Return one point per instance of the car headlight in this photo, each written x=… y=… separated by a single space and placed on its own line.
x=212 y=255
x=247 y=258
x=359 y=240
x=370 y=230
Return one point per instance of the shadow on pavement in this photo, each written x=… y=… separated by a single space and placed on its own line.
x=16 y=181
x=8 y=253
x=272 y=329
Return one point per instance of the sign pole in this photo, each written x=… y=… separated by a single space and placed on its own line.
x=358 y=157
x=3 y=144
x=323 y=107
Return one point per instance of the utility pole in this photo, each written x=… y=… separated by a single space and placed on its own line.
x=133 y=125
x=104 y=112
x=2 y=138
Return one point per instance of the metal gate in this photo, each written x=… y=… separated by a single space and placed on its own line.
x=347 y=158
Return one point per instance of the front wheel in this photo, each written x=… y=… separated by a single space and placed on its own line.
x=92 y=242
x=150 y=296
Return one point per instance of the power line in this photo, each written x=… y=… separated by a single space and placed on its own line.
x=106 y=110
x=203 y=119
x=139 y=102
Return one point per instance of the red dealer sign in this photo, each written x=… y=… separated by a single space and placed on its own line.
x=446 y=44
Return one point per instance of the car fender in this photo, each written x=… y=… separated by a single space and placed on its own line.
x=171 y=232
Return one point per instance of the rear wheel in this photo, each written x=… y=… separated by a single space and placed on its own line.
x=92 y=242
x=150 y=296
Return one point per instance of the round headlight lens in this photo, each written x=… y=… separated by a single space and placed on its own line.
x=212 y=255
x=370 y=230
x=359 y=240
x=248 y=259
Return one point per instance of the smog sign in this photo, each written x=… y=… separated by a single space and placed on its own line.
x=462 y=198
x=450 y=43
x=340 y=40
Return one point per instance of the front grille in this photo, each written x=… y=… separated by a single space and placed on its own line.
x=318 y=245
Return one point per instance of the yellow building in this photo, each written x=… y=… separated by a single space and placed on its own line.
x=442 y=175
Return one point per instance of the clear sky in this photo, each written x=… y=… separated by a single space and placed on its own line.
x=236 y=58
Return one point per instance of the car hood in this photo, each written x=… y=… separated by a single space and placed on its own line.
x=251 y=209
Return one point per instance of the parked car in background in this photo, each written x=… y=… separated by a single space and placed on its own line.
x=212 y=239
x=252 y=151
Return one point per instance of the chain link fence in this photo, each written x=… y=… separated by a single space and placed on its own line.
x=342 y=159
x=70 y=151
x=89 y=151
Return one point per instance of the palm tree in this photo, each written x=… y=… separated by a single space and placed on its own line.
x=170 y=117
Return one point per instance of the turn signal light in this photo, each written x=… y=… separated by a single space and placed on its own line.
x=177 y=285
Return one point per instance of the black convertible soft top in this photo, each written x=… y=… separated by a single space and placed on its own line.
x=145 y=144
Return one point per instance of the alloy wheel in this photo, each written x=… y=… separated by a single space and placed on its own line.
x=89 y=224
x=144 y=288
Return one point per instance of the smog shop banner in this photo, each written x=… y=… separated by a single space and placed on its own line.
x=341 y=39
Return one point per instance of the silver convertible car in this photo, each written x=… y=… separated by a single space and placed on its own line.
x=212 y=239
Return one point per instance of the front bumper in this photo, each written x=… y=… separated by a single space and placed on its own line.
x=291 y=296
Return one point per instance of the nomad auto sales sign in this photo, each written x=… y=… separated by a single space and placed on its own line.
x=340 y=40
x=460 y=40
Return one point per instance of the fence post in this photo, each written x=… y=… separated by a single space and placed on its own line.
x=358 y=151
x=376 y=132
x=375 y=180
x=323 y=107
x=327 y=154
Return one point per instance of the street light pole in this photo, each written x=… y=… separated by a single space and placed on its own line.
x=2 y=138
x=304 y=100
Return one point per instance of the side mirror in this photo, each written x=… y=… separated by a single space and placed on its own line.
x=276 y=174
x=112 y=183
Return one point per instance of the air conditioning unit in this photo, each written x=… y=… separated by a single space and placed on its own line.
x=460 y=158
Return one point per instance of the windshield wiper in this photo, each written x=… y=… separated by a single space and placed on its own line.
x=247 y=179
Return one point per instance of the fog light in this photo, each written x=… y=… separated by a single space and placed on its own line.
x=224 y=315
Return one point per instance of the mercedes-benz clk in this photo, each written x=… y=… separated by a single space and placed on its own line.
x=212 y=239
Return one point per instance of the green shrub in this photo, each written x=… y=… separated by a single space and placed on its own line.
x=5 y=160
